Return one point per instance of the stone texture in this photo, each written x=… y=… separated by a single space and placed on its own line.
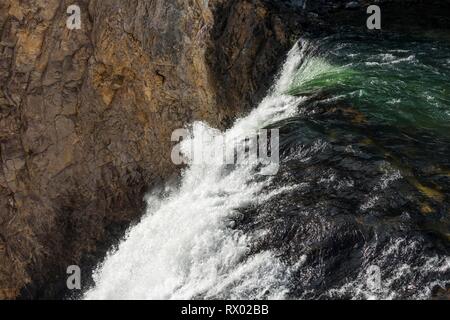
x=86 y=116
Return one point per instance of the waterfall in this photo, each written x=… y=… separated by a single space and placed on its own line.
x=185 y=245
x=340 y=209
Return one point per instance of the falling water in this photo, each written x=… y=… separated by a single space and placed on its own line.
x=364 y=182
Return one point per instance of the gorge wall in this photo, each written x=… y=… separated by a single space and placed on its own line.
x=86 y=115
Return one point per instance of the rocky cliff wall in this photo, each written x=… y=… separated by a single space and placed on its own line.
x=86 y=115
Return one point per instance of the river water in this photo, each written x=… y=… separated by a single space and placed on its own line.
x=358 y=210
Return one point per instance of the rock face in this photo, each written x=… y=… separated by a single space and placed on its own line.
x=86 y=115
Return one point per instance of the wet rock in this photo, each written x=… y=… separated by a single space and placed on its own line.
x=86 y=115
x=348 y=208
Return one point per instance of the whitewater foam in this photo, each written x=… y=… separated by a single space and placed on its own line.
x=185 y=247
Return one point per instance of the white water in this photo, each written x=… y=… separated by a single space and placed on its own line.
x=394 y=275
x=185 y=246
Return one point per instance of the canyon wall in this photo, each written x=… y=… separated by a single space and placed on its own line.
x=86 y=115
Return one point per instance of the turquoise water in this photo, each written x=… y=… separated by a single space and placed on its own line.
x=371 y=144
x=388 y=99
x=398 y=81
x=363 y=181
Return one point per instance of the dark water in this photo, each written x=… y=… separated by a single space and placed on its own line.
x=359 y=208
x=370 y=150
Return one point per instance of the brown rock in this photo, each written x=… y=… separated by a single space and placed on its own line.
x=86 y=116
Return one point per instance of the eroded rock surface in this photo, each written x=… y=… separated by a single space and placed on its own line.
x=86 y=115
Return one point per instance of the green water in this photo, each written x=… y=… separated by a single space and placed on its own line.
x=398 y=81
x=387 y=101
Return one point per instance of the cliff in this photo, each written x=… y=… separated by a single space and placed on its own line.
x=86 y=115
